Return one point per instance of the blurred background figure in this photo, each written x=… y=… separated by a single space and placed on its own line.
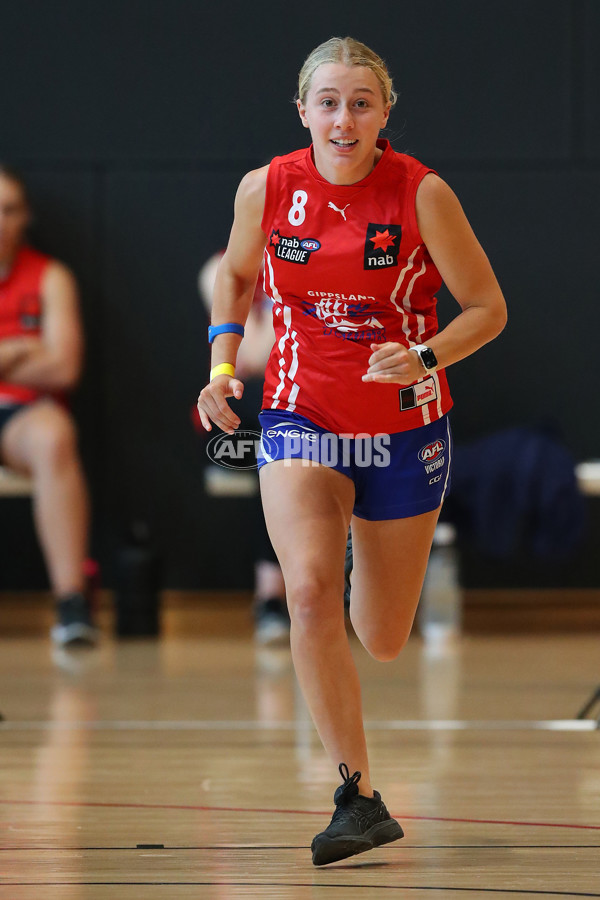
x=41 y=350
x=271 y=619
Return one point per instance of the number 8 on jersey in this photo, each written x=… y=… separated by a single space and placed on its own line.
x=297 y=214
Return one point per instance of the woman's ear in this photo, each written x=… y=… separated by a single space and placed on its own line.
x=302 y=113
x=386 y=113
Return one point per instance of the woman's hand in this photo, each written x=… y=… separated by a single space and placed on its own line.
x=212 y=403
x=14 y=350
x=393 y=363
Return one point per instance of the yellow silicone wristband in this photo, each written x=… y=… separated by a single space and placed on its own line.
x=222 y=369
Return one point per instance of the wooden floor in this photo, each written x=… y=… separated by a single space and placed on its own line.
x=188 y=768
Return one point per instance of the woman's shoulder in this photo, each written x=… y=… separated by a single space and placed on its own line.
x=258 y=177
x=409 y=165
x=29 y=256
x=254 y=180
x=252 y=189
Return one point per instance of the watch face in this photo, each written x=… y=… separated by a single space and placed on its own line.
x=428 y=358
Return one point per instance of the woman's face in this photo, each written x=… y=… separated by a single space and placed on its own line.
x=345 y=112
x=14 y=217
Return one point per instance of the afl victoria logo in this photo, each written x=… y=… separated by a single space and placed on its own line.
x=431 y=451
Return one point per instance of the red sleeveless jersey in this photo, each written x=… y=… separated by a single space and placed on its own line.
x=346 y=267
x=21 y=312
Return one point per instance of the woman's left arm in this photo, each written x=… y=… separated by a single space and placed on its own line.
x=468 y=275
x=52 y=361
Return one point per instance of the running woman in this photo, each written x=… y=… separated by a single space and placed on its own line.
x=356 y=240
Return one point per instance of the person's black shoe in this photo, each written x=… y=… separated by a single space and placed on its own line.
x=358 y=824
x=271 y=622
x=348 y=564
x=74 y=626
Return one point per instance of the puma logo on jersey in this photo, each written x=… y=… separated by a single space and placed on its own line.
x=342 y=212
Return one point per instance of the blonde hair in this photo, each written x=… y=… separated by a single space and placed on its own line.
x=351 y=53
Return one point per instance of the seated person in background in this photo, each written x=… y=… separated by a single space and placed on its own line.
x=41 y=348
x=271 y=619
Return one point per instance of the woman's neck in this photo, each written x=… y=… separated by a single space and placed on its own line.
x=340 y=175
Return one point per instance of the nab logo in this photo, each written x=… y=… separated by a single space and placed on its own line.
x=431 y=451
x=381 y=246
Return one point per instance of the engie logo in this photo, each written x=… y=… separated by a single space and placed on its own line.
x=381 y=246
x=430 y=452
x=234 y=451
x=284 y=431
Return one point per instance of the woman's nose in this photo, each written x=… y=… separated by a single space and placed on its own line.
x=344 y=118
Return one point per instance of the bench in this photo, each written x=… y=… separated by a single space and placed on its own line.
x=13 y=484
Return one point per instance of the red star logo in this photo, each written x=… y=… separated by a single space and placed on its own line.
x=275 y=239
x=382 y=240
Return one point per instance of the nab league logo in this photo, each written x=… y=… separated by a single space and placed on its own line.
x=292 y=249
x=382 y=244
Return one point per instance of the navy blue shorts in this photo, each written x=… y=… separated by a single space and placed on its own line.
x=7 y=412
x=395 y=475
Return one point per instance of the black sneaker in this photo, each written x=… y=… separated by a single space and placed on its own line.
x=348 y=564
x=74 y=624
x=271 y=622
x=358 y=824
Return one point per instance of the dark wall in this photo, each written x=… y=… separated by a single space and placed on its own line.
x=135 y=121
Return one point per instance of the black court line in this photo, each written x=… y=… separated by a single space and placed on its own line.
x=234 y=847
x=308 y=884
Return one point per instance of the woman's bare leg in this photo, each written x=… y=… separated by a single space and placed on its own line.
x=389 y=565
x=307 y=509
x=41 y=440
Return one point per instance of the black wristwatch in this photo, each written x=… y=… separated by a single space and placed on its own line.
x=427 y=357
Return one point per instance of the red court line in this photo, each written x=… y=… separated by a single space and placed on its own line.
x=294 y=812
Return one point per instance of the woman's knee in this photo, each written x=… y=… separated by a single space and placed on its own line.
x=384 y=643
x=312 y=603
x=53 y=440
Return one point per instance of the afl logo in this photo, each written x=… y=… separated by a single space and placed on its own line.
x=431 y=451
x=238 y=450
x=310 y=244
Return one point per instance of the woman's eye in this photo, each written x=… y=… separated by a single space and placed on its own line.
x=362 y=104
x=327 y=102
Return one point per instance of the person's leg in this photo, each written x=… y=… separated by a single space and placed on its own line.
x=270 y=612
x=389 y=565
x=269 y=609
x=268 y=580
x=41 y=440
x=307 y=509
x=391 y=559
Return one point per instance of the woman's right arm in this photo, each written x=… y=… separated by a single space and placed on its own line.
x=232 y=297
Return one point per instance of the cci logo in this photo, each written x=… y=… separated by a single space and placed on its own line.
x=431 y=451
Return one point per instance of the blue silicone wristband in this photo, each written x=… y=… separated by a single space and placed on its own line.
x=233 y=327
